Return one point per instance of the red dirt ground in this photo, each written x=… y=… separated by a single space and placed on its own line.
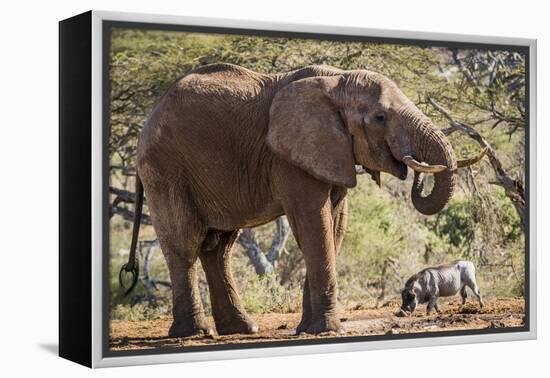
x=499 y=313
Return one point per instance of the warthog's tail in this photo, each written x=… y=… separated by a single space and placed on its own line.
x=132 y=265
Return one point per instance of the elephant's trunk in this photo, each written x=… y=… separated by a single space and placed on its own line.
x=432 y=147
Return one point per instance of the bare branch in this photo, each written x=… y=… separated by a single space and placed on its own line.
x=279 y=240
x=129 y=215
x=265 y=263
x=247 y=238
x=123 y=195
x=514 y=188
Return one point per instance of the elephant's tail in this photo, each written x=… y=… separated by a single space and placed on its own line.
x=132 y=265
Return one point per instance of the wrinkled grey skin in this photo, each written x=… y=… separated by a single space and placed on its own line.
x=445 y=280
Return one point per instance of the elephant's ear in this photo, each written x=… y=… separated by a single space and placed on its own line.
x=306 y=129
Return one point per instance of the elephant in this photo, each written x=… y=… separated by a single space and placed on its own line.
x=227 y=148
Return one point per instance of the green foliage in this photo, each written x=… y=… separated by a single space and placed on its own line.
x=139 y=311
x=456 y=223
x=375 y=233
x=264 y=294
x=483 y=88
x=509 y=221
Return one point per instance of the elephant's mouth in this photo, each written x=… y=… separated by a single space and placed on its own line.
x=399 y=169
x=402 y=171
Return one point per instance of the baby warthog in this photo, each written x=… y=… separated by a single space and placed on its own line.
x=440 y=281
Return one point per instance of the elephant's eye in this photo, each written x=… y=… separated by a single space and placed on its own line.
x=380 y=117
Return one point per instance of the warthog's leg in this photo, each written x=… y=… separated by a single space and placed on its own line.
x=471 y=283
x=463 y=294
x=432 y=304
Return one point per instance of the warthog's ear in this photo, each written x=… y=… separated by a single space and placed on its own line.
x=306 y=129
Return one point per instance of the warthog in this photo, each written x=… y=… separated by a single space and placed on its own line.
x=445 y=280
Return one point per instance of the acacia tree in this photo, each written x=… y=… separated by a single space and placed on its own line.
x=492 y=85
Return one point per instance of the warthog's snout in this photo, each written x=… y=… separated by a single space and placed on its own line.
x=402 y=313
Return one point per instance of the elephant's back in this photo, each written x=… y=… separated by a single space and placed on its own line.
x=209 y=107
x=225 y=84
x=207 y=133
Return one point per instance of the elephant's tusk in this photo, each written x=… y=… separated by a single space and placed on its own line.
x=417 y=166
x=375 y=175
x=475 y=159
x=427 y=168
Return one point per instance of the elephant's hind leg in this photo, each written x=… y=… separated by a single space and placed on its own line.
x=180 y=234
x=228 y=313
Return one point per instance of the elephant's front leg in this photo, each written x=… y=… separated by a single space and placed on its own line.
x=318 y=248
x=306 y=309
x=339 y=216
x=312 y=224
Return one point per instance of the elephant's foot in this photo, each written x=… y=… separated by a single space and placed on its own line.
x=188 y=328
x=323 y=326
x=242 y=325
x=304 y=325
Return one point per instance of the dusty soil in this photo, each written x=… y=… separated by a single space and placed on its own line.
x=499 y=313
